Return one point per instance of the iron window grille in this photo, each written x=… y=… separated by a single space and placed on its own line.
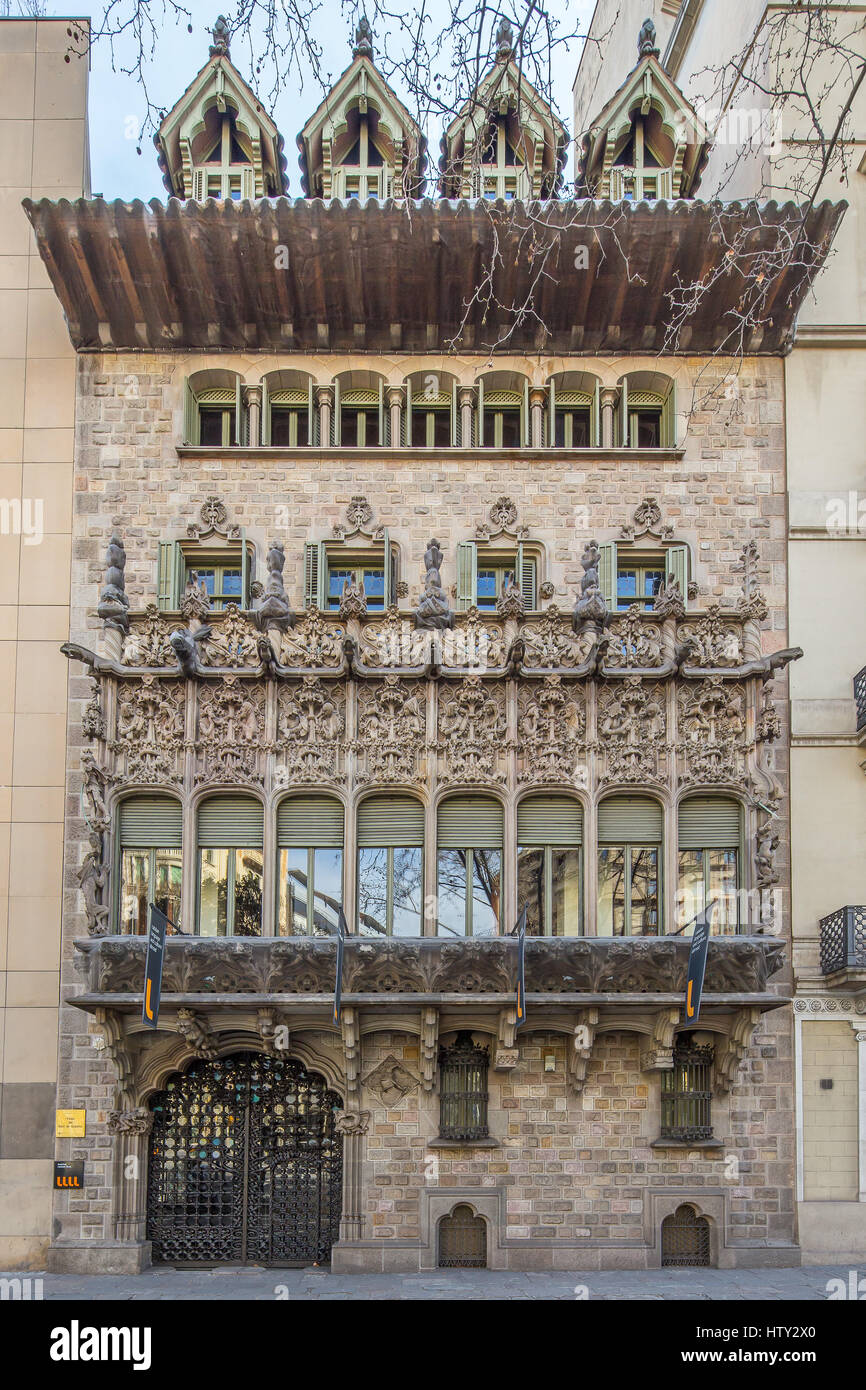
x=860 y=698
x=463 y=1090
x=687 y=1094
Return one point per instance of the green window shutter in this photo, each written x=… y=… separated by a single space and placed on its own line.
x=230 y=822
x=389 y=591
x=310 y=822
x=312 y=574
x=469 y=822
x=479 y=417
x=623 y=415
x=607 y=572
x=549 y=820
x=669 y=419
x=199 y=185
x=526 y=432
x=335 y=416
x=709 y=822
x=248 y=181
x=455 y=416
x=240 y=431
x=191 y=433
x=406 y=422
x=551 y=415
x=384 y=422
x=467 y=574
x=678 y=566
x=167 y=594
x=595 y=420
x=266 y=414
x=150 y=822
x=390 y=821
x=630 y=820
x=526 y=577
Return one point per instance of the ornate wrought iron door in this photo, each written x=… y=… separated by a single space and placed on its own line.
x=245 y=1165
x=462 y=1240
x=685 y=1238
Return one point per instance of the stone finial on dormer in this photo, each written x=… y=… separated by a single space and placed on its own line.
x=434 y=610
x=646 y=40
x=504 y=39
x=363 y=39
x=221 y=38
x=113 y=606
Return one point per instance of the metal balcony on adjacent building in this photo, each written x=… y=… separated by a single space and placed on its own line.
x=860 y=701
x=843 y=946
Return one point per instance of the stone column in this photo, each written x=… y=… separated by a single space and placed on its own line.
x=466 y=398
x=253 y=396
x=861 y=1087
x=325 y=402
x=131 y=1130
x=608 y=403
x=353 y=1125
x=537 y=399
x=395 y=405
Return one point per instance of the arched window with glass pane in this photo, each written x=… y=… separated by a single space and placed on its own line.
x=230 y=866
x=469 y=866
x=549 y=837
x=310 y=872
x=390 y=866
x=709 y=837
x=630 y=834
x=150 y=837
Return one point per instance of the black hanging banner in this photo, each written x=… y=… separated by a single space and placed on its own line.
x=698 y=963
x=520 y=933
x=153 y=960
x=338 y=986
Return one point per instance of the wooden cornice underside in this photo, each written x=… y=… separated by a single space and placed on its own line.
x=389 y=276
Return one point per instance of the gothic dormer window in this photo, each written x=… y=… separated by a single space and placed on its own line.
x=226 y=168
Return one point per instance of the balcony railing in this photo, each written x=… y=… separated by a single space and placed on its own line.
x=843 y=940
x=860 y=698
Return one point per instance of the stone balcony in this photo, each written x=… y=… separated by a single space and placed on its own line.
x=299 y=972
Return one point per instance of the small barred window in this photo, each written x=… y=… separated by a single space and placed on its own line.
x=687 y=1093
x=463 y=1090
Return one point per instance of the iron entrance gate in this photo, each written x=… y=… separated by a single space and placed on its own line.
x=245 y=1165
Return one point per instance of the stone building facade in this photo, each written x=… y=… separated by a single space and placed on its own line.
x=422 y=637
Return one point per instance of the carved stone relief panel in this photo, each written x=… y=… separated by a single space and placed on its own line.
x=550 y=642
x=551 y=731
x=312 y=642
x=472 y=730
x=231 y=731
x=391 y=731
x=311 y=726
x=716 y=639
x=634 y=641
x=150 y=729
x=712 y=731
x=631 y=732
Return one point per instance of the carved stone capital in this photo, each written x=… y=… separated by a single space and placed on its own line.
x=353 y=1122
x=657 y=1052
x=138 y=1121
x=732 y=1048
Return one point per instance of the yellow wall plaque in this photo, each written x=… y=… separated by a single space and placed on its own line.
x=70 y=1124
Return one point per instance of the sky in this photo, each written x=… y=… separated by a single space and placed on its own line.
x=117 y=106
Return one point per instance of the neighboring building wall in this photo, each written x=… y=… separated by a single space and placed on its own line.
x=830 y=1114
x=43 y=138
x=610 y=52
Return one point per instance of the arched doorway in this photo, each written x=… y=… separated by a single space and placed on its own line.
x=246 y=1165
x=685 y=1238
x=462 y=1239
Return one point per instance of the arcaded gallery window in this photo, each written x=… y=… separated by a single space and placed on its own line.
x=469 y=864
x=549 y=836
x=150 y=834
x=630 y=834
x=231 y=868
x=390 y=866
x=709 y=831
x=310 y=848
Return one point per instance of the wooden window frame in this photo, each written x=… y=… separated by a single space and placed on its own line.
x=630 y=846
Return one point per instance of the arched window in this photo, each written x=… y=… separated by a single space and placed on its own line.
x=360 y=420
x=463 y=1089
x=630 y=833
x=310 y=846
x=150 y=837
x=430 y=419
x=213 y=413
x=469 y=844
x=549 y=835
x=709 y=838
x=573 y=411
x=223 y=159
x=289 y=415
x=647 y=411
x=231 y=869
x=390 y=866
x=502 y=411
